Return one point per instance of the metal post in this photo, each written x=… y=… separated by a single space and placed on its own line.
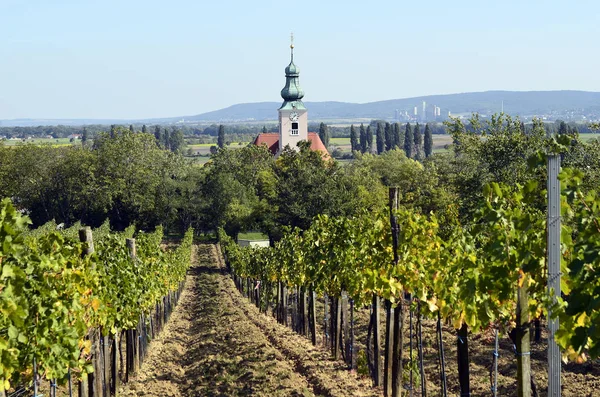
x=553 y=249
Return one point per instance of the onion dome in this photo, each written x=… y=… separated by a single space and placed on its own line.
x=292 y=93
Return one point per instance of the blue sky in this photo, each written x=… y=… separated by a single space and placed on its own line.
x=139 y=59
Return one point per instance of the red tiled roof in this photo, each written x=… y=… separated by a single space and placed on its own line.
x=271 y=139
x=317 y=144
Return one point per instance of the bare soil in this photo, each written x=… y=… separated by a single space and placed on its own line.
x=218 y=344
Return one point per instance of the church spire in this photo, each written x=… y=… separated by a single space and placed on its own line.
x=292 y=94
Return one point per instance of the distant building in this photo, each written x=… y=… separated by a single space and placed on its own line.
x=293 y=117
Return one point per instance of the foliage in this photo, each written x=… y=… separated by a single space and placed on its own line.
x=51 y=297
x=324 y=134
x=354 y=144
x=428 y=141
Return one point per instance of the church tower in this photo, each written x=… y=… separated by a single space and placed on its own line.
x=293 y=116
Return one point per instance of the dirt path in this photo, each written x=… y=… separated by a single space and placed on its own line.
x=217 y=344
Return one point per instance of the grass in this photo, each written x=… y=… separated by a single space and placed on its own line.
x=589 y=137
x=42 y=141
x=252 y=236
x=339 y=141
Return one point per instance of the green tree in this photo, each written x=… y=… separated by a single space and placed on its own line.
x=236 y=186
x=264 y=129
x=562 y=128
x=354 y=145
x=144 y=129
x=166 y=143
x=389 y=137
x=84 y=136
x=158 y=136
x=363 y=138
x=177 y=141
x=221 y=137
x=428 y=144
x=369 y=135
x=418 y=142
x=131 y=128
x=324 y=134
x=380 y=139
x=398 y=137
x=408 y=141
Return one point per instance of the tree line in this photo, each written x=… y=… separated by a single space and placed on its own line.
x=393 y=137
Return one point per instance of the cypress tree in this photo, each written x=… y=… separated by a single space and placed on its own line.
x=369 y=140
x=562 y=129
x=428 y=143
x=354 y=139
x=408 y=141
x=167 y=139
x=158 y=136
x=324 y=134
x=418 y=141
x=264 y=129
x=398 y=141
x=573 y=130
x=113 y=130
x=221 y=138
x=389 y=137
x=380 y=139
x=84 y=136
x=363 y=138
x=144 y=129
x=131 y=128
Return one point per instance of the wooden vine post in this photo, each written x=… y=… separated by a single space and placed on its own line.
x=134 y=340
x=398 y=319
x=522 y=339
x=313 y=315
x=85 y=236
x=462 y=347
x=389 y=349
x=377 y=338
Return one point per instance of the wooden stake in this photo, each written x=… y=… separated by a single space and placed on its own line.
x=522 y=341
x=377 y=339
x=313 y=314
x=115 y=365
x=106 y=365
x=398 y=320
x=462 y=347
x=389 y=349
x=86 y=237
x=338 y=327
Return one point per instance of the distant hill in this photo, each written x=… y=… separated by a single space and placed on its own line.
x=552 y=104
x=518 y=103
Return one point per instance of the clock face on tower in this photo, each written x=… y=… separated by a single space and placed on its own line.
x=294 y=116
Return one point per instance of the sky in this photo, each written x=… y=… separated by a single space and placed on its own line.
x=143 y=58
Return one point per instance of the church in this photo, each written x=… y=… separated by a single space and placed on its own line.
x=293 y=118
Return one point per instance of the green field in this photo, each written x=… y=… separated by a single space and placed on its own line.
x=589 y=137
x=253 y=236
x=439 y=143
x=41 y=141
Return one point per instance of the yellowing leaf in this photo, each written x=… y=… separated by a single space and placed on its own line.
x=95 y=304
